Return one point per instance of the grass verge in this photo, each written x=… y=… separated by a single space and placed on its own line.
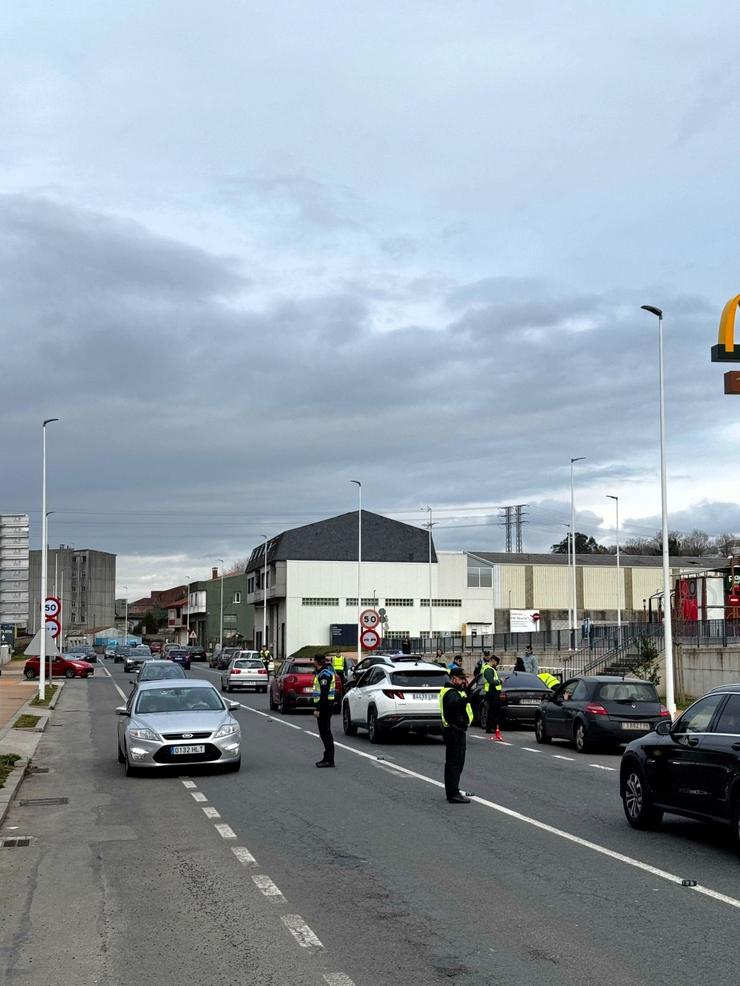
x=48 y=694
x=7 y=763
x=26 y=722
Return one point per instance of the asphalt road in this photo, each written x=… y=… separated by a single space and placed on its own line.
x=362 y=875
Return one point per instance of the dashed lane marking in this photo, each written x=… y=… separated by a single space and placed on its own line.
x=337 y=979
x=225 y=831
x=197 y=796
x=601 y=766
x=210 y=812
x=559 y=756
x=301 y=931
x=266 y=886
x=531 y=749
x=120 y=691
x=189 y=784
x=244 y=855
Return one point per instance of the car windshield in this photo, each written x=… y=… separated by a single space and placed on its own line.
x=181 y=699
x=520 y=679
x=248 y=664
x=300 y=669
x=178 y=653
x=157 y=671
x=418 y=678
x=627 y=691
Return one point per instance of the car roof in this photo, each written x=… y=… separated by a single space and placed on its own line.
x=158 y=663
x=609 y=678
x=723 y=689
x=181 y=682
x=414 y=666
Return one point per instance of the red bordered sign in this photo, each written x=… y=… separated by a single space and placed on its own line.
x=369 y=619
x=369 y=640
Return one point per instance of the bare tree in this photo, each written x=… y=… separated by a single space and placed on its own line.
x=237 y=567
x=726 y=545
x=696 y=543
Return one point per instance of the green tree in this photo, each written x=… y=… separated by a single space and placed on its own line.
x=585 y=545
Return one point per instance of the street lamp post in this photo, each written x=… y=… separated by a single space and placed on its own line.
x=429 y=525
x=611 y=496
x=187 y=612
x=358 y=484
x=221 y=618
x=124 y=636
x=670 y=700
x=44 y=562
x=264 y=594
x=574 y=590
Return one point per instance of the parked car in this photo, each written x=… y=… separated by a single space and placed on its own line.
x=180 y=655
x=599 y=709
x=355 y=669
x=154 y=670
x=393 y=697
x=244 y=672
x=110 y=650
x=292 y=686
x=197 y=653
x=136 y=657
x=690 y=767
x=84 y=652
x=521 y=695
x=65 y=665
x=177 y=722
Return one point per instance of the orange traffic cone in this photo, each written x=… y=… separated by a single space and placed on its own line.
x=498 y=734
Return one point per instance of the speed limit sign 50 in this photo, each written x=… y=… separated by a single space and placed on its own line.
x=369 y=619
x=52 y=606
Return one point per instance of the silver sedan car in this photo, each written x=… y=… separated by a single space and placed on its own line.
x=174 y=722
x=244 y=672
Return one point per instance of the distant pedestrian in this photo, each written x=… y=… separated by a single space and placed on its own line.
x=492 y=688
x=519 y=664
x=456 y=662
x=266 y=657
x=439 y=658
x=531 y=664
x=324 y=693
x=456 y=717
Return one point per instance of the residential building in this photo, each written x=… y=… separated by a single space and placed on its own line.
x=239 y=617
x=85 y=581
x=14 y=570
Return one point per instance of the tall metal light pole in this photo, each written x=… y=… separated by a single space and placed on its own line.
x=264 y=595
x=567 y=581
x=358 y=484
x=187 y=612
x=611 y=496
x=574 y=590
x=670 y=699
x=429 y=525
x=44 y=562
x=124 y=636
x=221 y=619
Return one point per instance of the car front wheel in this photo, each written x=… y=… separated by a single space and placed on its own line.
x=69 y=673
x=540 y=733
x=639 y=809
x=29 y=673
x=347 y=726
x=273 y=704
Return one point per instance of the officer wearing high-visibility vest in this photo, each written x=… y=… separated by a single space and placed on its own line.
x=492 y=695
x=324 y=693
x=265 y=656
x=456 y=717
x=338 y=663
x=549 y=679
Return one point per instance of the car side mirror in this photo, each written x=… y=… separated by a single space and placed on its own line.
x=233 y=706
x=664 y=727
x=122 y=711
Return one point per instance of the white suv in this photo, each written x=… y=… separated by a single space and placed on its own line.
x=395 y=697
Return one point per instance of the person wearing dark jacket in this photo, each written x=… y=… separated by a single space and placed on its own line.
x=456 y=717
x=324 y=695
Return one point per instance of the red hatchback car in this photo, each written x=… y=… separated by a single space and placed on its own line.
x=69 y=667
x=292 y=687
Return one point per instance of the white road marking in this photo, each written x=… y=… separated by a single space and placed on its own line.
x=559 y=756
x=197 y=796
x=600 y=766
x=244 y=855
x=189 y=784
x=226 y=831
x=120 y=691
x=265 y=884
x=531 y=749
x=337 y=979
x=211 y=812
x=301 y=931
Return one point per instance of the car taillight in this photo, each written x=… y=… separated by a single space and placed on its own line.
x=291 y=679
x=262 y=671
x=596 y=710
x=236 y=671
x=392 y=693
x=664 y=713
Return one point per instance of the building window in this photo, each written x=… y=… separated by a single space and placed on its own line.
x=480 y=578
x=250 y=584
x=399 y=602
x=229 y=620
x=237 y=597
x=367 y=601
x=397 y=635
x=441 y=602
x=319 y=601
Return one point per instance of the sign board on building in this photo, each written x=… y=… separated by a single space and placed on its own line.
x=524 y=620
x=343 y=634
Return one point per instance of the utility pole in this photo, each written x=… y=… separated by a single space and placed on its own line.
x=429 y=526
x=358 y=484
x=221 y=618
x=513 y=520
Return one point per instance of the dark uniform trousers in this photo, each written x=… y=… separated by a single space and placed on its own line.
x=493 y=698
x=455 y=745
x=324 y=723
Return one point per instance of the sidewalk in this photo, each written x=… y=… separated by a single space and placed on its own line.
x=15 y=691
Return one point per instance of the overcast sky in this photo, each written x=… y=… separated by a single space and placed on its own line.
x=252 y=250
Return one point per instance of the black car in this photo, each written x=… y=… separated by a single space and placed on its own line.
x=85 y=652
x=180 y=655
x=121 y=654
x=521 y=696
x=136 y=657
x=599 y=709
x=222 y=660
x=197 y=653
x=690 y=767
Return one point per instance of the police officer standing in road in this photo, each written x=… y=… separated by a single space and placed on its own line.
x=456 y=717
x=492 y=688
x=324 y=693
x=265 y=656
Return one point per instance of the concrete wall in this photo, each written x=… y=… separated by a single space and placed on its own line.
x=704 y=668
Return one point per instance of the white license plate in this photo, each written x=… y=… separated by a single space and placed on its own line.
x=636 y=725
x=529 y=701
x=177 y=750
x=423 y=697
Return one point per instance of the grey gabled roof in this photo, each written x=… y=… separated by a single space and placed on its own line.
x=335 y=539
x=626 y=561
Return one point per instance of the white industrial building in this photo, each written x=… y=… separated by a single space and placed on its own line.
x=312 y=584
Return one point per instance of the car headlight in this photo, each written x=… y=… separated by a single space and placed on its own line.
x=228 y=729
x=145 y=734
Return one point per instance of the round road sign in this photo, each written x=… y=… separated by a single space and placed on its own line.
x=52 y=627
x=369 y=619
x=369 y=640
x=52 y=606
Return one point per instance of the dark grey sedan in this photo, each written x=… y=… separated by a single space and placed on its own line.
x=158 y=671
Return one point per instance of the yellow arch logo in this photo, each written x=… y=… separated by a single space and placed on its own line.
x=726 y=351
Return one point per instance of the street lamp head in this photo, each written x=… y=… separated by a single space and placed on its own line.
x=48 y=421
x=653 y=310
x=356 y=482
x=611 y=496
x=578 y=458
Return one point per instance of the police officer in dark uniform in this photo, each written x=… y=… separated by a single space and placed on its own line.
x=324 y=694
x=456 y=717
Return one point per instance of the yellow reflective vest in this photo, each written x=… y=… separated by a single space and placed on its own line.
x=549 y=679
x=316 y=689
x=497 y=686
x=462 y=694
